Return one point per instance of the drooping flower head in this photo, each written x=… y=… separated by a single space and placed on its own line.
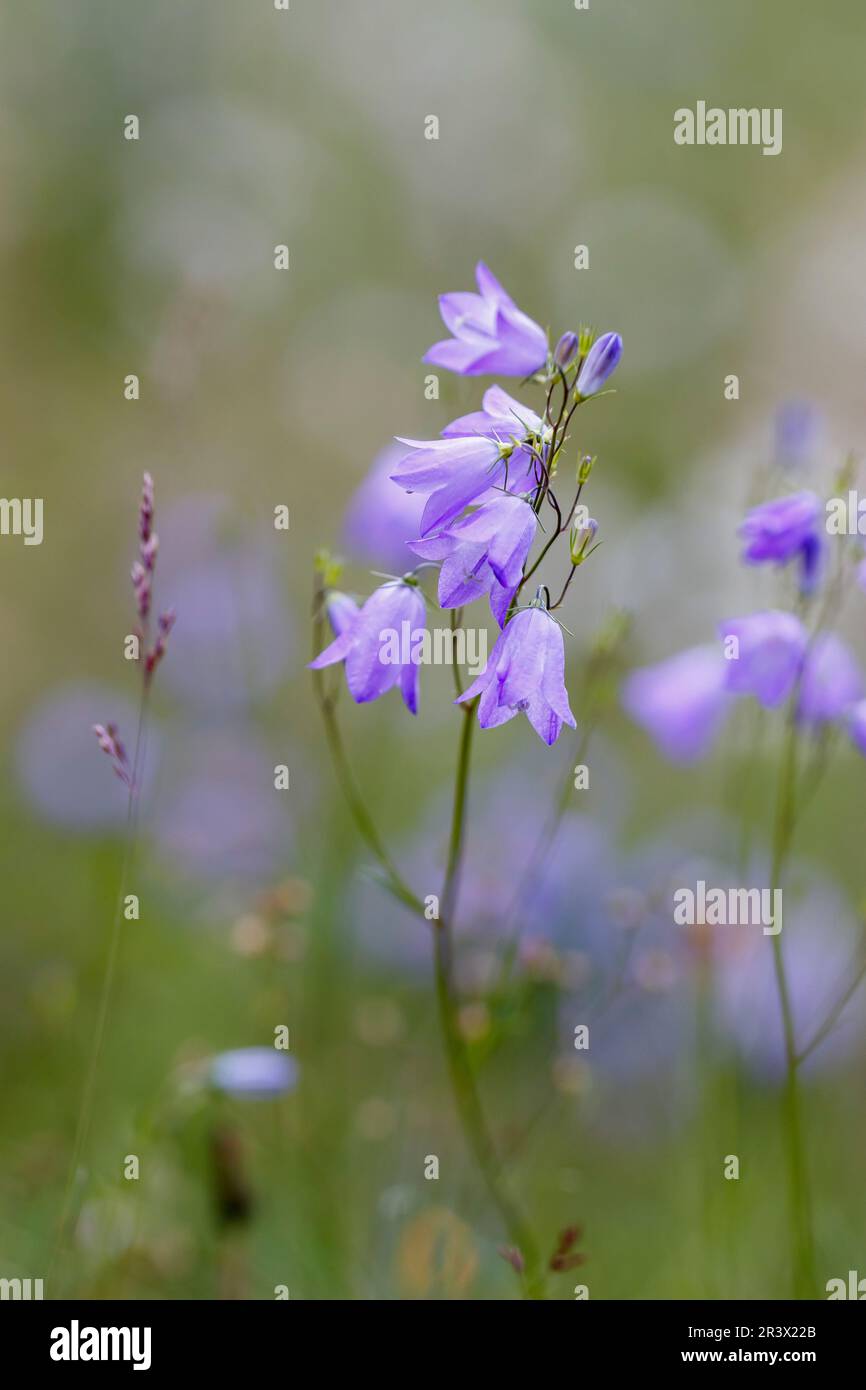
x=490 y=334
x=681 y=702
x=785 y=529
x=769 y=654
x=525 y=673
x=484 y=553
x=367 y=645
x=478 y=456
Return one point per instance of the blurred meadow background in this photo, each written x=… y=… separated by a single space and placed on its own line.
x=261 y=388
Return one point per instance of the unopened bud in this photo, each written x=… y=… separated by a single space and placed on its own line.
x=580 y=537
x=566 y=349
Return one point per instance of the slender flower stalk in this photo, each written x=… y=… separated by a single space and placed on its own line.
x=802 y=1240
x=109 y=740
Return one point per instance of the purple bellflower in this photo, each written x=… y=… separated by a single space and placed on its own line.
x=454 y=472
x=367 y=642
x=831 y=682
x=483 y=553
x=681 y=701
x=525 y=672
x=771 y=647
x=785 y=529
x=490 y=334
x=601 y=362
x=342 y=611
x=478 y=456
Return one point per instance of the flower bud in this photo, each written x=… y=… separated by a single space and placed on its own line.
x=602 y=361
x=580 y=537
x=566 y=349
x=585 y=467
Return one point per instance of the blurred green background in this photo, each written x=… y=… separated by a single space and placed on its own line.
x=258 y=388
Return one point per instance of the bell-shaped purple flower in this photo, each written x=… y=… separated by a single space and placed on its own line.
x=508 y=422
x=342 y=611
x=831 y=682
x=377 y=646
x=453 y=472
x=680 y=702
x=490 y=333
x=484 y=553
x=768 y=655
x=525 y=672
x=601 y=362
x=785 y=529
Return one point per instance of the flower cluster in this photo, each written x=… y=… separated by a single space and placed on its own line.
x=485 y=482
x=773 y=655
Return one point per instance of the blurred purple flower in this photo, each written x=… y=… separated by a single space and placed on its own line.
x=234 y=641
x=381 y=516
x=490 y=333
x=819 y=966
x=525 y=672
x=681 y=702
x=785 y=529
x=217 y=817
x=798 y=428
x=484 y=553
x=364 y=647
x=62 y=777
x=857 y=726
x=601 y=362
x=831 y=680
x=254 y=1073
x=771 y=650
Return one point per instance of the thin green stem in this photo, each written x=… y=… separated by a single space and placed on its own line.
x=803 y=1252
x=86 y=1107
x=466 y=1095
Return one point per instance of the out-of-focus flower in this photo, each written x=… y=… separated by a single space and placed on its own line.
x=818 y=964
x=55 y=762
x=382 y=516
x=857 y=726
x=234 y=640
x=216 y=817
x=525 y=672
x=831 y=682
x=798 y=427
x=771 y=647
x=364 y=646
x=785 y=529
x=601 y=362
x=253 y=1073
x=490 y=334
x=681 y=702
x=483 y=554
